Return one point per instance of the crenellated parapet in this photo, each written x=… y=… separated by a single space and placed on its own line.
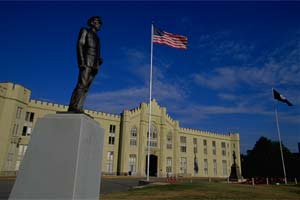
x=229 y=136
x=172 y=121
x=59 y=107
x=47 y=105
x=103 y=115
x=15 y=91
x=3 y=90
x=134 y=111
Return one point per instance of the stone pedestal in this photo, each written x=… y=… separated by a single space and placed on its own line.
x=63 y=160
x=235 y=174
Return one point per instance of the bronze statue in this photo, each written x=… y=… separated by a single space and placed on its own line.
x=234 y=157
x=89 y=60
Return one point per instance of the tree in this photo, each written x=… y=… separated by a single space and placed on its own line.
x=264 y=160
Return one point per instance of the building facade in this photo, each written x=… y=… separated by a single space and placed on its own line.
x=175 y=151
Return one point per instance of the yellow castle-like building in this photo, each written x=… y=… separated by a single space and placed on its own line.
x=174 y=151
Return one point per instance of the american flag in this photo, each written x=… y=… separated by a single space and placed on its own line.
x=169 y=39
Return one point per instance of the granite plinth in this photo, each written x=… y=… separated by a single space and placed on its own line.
x=63 y=159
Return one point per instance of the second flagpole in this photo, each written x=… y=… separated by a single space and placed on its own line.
x=280 y=145
x=150 y=97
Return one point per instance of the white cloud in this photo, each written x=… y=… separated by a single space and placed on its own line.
x=220 y=45
x=219 y=79
x=228 y=97
x=116 y=101
x=271 y=74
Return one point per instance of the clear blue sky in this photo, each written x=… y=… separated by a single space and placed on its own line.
x=237 y=52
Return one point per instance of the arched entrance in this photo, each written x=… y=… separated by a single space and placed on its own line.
x=152 y=166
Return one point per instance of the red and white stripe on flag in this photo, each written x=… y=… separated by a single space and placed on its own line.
x=169 y=39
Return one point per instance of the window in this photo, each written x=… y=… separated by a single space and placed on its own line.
x=18 y=162
x=153 y=136
x=15 y=130
x=110 y=160
x=223 y=147
x=224 y=166
x=133 y=136
x=215 y=167
x=205 y=147
x=10 y=156
x=214 y=148
x=195 y=145
x=29 y=116
x=112 y=128
x=196 y=166
x=28 y=131
x=111 y=138
x=132 y=163
x=183 y=167
x=22 y=150
x=19 y=112
x=169 y=165
x=169 y=140
x=24 y=131
x=183 y=144
x=205 y=167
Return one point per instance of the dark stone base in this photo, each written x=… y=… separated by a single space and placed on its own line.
x=235 y=173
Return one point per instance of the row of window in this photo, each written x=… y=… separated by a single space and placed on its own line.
x=183 y=166
x=154 y=141
x=25 y=132
x=20 y=150
x=195 y=146
x=131 y=163
x=28 y=117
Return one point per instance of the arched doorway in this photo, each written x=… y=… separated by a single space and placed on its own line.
x=152 y=166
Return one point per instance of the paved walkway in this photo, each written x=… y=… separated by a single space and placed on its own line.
x=108 y=185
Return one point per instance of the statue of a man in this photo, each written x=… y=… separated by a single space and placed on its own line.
x=89 y=60
x=234 y=156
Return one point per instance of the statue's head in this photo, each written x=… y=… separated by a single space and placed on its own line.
x=95 y=22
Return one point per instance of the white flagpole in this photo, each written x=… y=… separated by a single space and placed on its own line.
x=280 y=145
x=150 y=97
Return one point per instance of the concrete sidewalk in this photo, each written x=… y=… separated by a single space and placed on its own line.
x=108 y=185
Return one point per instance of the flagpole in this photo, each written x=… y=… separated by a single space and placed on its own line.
x=150 y=97
x=280 y=145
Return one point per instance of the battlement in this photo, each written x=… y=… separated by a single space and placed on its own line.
x=134 y=111
x=47 y=105
x=3 y=90
x=97 y=114
x=59 y=107
x=15 y=91
x=170 y=119
x=210 y=134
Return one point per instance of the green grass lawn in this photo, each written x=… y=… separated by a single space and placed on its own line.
x=186 y=191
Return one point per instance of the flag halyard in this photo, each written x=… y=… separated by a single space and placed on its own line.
x=169 y=39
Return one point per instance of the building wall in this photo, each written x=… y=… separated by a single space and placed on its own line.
x=13 y=105
x=125 y=146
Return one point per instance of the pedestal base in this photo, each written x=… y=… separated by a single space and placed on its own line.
x=235 y=173
x=63 y=160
